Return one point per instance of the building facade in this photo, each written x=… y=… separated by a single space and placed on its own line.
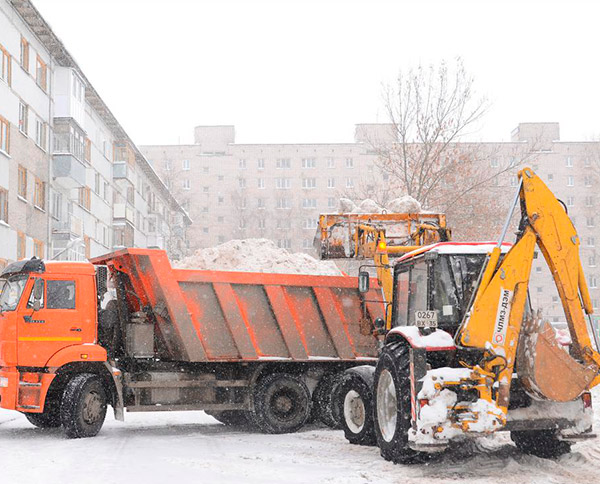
x=72 y=183
x=277 y=191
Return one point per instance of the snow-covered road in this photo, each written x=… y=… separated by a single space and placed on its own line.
x=177 y=447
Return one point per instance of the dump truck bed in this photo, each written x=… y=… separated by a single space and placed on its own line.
x=202 y=316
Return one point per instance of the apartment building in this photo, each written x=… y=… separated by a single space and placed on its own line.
x=277 y=191
x=75 y=184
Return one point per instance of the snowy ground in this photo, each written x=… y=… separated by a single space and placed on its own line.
x=171 y=447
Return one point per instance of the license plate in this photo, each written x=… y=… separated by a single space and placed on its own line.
x=426 y=319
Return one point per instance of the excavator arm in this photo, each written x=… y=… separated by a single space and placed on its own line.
x=495 y=323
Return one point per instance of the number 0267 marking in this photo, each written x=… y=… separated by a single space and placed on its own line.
x=426 y=319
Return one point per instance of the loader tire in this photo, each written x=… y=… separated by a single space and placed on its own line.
x=541 y=443
x=392 y=405
x=325 y=404
x=282 y=404
x=83 y=406
x=356 y=401
x=48 y=419
x=232 y=418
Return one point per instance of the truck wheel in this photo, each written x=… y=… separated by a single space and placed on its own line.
x=83 y=406
x=48 y=419
x=356 y=400
x=325 y=405
x=392 y=404
x=541 y=443
x=281 y=404
x=234 y=418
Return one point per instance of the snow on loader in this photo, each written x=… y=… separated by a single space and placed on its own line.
x=465 y=355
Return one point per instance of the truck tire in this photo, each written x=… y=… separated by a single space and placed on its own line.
x=233 y=418
x=282 y=404
x=356 y=400
x=541 y=443
x=83 y=406
x=392 y=404
x=48 y=419
x=325 y=405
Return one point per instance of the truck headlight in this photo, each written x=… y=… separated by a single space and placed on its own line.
x=3 y=382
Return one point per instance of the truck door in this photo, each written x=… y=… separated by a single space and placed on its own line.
x=51 y=322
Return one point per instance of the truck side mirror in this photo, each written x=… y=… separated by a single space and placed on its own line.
x=38 y=293
x=363 y=281
x=379 y=324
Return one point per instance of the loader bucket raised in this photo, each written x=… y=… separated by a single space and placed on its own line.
x=545 y=368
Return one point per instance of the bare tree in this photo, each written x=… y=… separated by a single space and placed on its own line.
x=430 y=110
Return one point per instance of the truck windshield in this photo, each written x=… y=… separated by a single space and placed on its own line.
x=12 y=289
x=465 y=271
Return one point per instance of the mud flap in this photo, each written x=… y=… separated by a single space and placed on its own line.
x=418 y=370
x=545 y=369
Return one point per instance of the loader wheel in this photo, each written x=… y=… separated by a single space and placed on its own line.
x=356 y=399
x=48 y=419
x=282 y=404
x=541 y=443
x=233 y=418
x=392 y=404
x=325 y=404
x=83 y=406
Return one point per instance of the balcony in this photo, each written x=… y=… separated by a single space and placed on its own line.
x=124 y=211
x=72 y=226
x=123 y=171
x=68 y=171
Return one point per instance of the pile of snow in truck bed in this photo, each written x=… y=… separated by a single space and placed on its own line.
x=256 y=255
x=404 y=204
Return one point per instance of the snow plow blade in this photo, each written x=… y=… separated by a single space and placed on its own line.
x=545 y=369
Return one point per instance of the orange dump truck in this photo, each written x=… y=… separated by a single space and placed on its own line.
x=128 y=330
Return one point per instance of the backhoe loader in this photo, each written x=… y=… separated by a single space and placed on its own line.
x=465 y=355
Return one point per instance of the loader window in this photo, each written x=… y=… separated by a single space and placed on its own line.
x=417 y=294
x=465 y=270
x=401 y=299
x=61 y=294
x=444 y=293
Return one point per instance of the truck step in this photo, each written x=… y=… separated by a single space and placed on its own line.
x=187 y=383
x=166 y=407
x=29 y=384
x=29 y=407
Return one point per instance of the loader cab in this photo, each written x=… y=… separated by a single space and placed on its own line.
x=433 y=285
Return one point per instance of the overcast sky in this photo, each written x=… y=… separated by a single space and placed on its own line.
x=307 y=71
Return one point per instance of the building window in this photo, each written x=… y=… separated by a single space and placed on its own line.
x=262 y=223
x=205 y=230
x=592 y=261
x=309 y=163
x=550 y=177
x=570 y=181
x=205 y=169
x=306 y=243
x=204 y=209
x=349 y=182
x=5 y=65
x=220 y=200
x=21 y=246
x=514 y=181
x=24 y=54
x=309 y=183
x=242 y=164
x=3 y=205
x=587 y=181
x=538 y=269
x=221 y=178
x=309 y=223
x=284 y=243
x=587 y=162
x=494 y=163
x=40 y=134
x=243 y=203
x=593 y=282
x=349 y=163
x=589 y=201
x=570 y=201
x=221 y=239
x=4 y=135
x=261 y=164
x=591 y=242
x=38 y=249
x=284 y=203
x=186 y=165
x=283 y=183
x=331 y=202
x=330 y=163
x=569 y=162
x=220 y=219
x=331 y=183
x=589 y=221
x=22 y=187
x=260 y=203
x=283 y=163
x=540 y=289
x=261 y=183
x=205 y=189
x=242 y=223
x=39 y=194
x=309 y=203
x=85 y=198
x=186 y=184
x=23 y=117
x=242 y=182
x=88 y=150
x=41 y=73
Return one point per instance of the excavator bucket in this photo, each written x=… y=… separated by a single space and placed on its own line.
x=546 y=369
x=353 y=235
